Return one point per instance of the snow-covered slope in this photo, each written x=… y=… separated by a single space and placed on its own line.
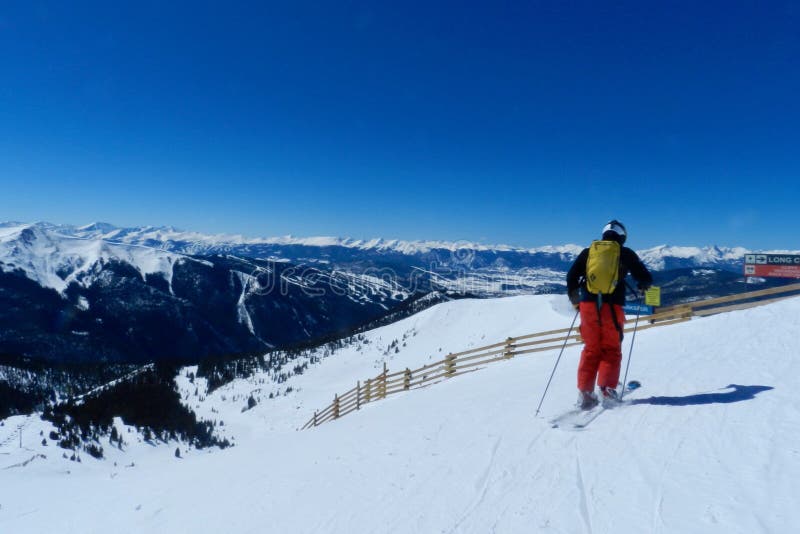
x=55 y=260
x=709 y=445
x=412 y=342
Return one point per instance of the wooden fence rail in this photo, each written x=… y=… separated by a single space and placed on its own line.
x=467 y=361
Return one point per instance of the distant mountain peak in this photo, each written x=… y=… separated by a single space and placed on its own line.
x=97 y=227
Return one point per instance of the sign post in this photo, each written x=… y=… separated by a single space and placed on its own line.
x=772 y=265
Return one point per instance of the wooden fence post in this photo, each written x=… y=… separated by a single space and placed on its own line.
x=336 y=407
x=383 y=381
x=407 y=379
x=315 y=417
x=368 y=390
x=358 y=395
x=509 y=352
x=450 y=365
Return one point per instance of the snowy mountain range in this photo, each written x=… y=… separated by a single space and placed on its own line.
x=100 y=292
x=486 y=270
x=171 y=239
x=72 y=299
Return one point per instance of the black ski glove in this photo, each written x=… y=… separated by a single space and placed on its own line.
x=575 y=297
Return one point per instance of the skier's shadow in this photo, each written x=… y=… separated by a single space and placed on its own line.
x=739 y=393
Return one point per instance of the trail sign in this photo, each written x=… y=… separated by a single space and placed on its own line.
x=637 y=309
x=772 y=265
x=652 y=297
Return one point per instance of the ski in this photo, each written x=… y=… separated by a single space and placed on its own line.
x=577 y=419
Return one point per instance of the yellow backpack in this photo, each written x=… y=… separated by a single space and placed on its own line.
x=602 y=267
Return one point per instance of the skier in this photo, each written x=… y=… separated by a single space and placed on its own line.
x=596 y=286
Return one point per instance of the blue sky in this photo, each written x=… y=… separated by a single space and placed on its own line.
x=526 y=123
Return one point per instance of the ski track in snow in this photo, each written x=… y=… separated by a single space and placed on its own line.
x=481 y=486
x=586 y=515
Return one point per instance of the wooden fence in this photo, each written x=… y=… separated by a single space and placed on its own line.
x=459 y=363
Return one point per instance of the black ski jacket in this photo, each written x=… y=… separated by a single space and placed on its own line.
x=629 y=262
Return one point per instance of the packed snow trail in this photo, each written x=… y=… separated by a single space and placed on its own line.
x=709 y=446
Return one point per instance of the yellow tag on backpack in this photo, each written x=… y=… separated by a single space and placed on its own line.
x=602 y=267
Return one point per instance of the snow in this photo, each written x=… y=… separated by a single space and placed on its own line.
x=191 y=242
x=655 y=257
x=55 y=260
x=709 y=445
x=83 y=303
x=498 y=282
x=241 y=308
x=169 y=234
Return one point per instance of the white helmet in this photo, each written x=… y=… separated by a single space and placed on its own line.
x=615 y=231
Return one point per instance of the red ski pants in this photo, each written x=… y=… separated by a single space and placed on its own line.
x=602 y=353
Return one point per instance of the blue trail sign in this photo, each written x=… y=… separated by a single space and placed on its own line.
x=634 y=308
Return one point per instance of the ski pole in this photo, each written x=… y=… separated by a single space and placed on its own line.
x=557 y=360
x=633 y=339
